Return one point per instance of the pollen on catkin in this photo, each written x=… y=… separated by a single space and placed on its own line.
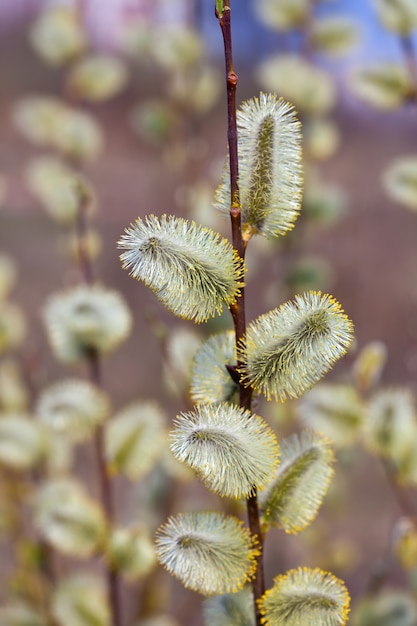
x=306 y=597
x=289 y=349
x=208 y=552
x=270 y=169
x=233 y=451
x=293 y=497
x=192 y=270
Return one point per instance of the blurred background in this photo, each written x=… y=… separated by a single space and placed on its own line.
x=162 y=148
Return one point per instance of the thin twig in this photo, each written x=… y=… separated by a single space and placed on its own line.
x=106 y=496
x=238 y=309
x=406 y=506
x=409 y=53
x=94 y=366
x=81 y=226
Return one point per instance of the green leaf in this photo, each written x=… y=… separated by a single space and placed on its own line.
x=220 y=7
x=192 y=270
x=289 y=349
x=270 y=170
x=210 y=380
x=233 y=609
x=294 y=496
x=306 y=597
x=209 y=552
x=233 y=451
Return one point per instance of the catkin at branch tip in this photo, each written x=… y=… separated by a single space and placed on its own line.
x=270 y=169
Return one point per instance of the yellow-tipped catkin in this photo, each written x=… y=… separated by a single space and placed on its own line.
x=293 y=497
x=306 y=597
x=270 y=170
x=192 y=270
x=233 y=451
x=209 y=552
x=289 y=349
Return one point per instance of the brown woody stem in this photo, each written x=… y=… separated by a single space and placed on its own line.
x=94 y=366
x=410 y=60
x=238 y=309
x=105 y=492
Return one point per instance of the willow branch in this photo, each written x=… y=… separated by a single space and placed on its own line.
x=223 y=15
x=409 y=53
x=95 y=375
